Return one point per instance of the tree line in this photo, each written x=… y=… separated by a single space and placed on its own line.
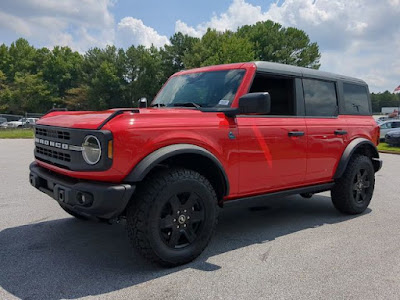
x=385 y=99
x=38 y=79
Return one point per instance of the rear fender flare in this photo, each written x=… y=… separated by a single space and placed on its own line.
x=351 y=149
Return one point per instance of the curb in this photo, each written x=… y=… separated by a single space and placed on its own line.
x=389 y=152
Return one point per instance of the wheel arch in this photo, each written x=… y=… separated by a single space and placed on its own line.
x=184 y=155
x=358 y=146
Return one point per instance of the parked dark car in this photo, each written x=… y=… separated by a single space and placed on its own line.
x=393 y=137
x=3 y=122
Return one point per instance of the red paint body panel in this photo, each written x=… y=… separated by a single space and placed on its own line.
x=260 y=158
x=269 y=158
x=76 y=119
x=324 y=147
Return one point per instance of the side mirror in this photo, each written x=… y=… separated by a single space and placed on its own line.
x=142 y=103
x=255 y=103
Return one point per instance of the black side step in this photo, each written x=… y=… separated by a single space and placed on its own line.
x=308 y=189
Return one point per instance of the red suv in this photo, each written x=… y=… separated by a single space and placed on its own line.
x=211 y=135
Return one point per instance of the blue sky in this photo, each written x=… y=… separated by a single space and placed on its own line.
x=161 y=15
x=359 y=38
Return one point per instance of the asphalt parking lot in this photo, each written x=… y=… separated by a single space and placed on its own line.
x=290 y=248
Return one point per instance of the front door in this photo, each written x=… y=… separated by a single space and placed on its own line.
x=272 y=147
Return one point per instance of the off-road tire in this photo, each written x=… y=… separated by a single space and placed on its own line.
x=74 y=214
x=144 y=220
x=344 y=192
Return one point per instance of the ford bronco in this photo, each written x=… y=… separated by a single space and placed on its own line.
x=211 y=135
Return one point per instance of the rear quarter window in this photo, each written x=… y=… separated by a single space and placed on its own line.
x=355 y=99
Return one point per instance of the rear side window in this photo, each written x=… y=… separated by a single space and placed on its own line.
x=355 y=99
x=320 y=98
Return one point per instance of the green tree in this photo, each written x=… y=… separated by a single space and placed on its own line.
x=172 y=55
x=385 y=99
x=4 y=60
x=144 y=74
x=77 y=98
x=4 y=92
x=29 y=93
x=62 y=69
x=103 y=72
x=22 y=59
x=272 y=42
x=219 y=48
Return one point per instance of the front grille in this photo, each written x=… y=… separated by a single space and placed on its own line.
x=61 y=147
x=53 y=154
x=52 y=133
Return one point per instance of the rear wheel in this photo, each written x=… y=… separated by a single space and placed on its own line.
x=173 y=216
x=352 y=193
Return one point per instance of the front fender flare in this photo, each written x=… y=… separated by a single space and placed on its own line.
x=140 y=171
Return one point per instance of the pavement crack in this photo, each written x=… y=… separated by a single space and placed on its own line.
x=264 y=257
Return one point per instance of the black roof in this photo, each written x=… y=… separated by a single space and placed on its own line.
x=283 y=69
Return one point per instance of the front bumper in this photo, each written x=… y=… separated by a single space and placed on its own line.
x=95 y=199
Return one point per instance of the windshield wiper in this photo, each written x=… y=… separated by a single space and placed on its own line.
x=157 y=105
x=189 y=104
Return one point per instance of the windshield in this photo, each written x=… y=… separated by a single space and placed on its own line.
x=206 y=89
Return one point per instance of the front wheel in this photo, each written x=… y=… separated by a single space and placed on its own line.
x=352 y=193
x=173 y=216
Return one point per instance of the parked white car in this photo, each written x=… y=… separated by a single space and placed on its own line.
x=23 y=122
x=388 y=126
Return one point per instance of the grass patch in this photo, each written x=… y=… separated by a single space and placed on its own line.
x=386 y=147
x=18 y=133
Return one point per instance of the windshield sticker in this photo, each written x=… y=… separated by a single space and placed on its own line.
x=223 y=102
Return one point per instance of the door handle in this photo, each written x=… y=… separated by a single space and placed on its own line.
x=296 y=133
x=340 y=132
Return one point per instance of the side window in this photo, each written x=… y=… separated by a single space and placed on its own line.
x=356 y=99
x=320 y=98
x=384 y=126
x=280 y=89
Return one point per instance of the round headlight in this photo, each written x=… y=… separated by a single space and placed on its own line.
x=91 y=150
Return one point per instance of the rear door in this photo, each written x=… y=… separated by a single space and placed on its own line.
x=272 y=147
x=326 y=131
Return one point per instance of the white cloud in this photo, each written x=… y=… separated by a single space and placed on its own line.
x=239 y=13
x=185 y=29
x=80 y=24
x=132 y=31
x=356 y=38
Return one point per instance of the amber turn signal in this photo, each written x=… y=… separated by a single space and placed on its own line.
x=110 y=149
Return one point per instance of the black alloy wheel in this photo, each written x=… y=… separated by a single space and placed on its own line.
x=181 y=219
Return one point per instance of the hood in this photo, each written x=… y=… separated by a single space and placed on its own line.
x=133 y=117
x=126 y=118
x=76 y=119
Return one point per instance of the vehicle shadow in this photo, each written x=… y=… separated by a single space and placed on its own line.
x=68 y=258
